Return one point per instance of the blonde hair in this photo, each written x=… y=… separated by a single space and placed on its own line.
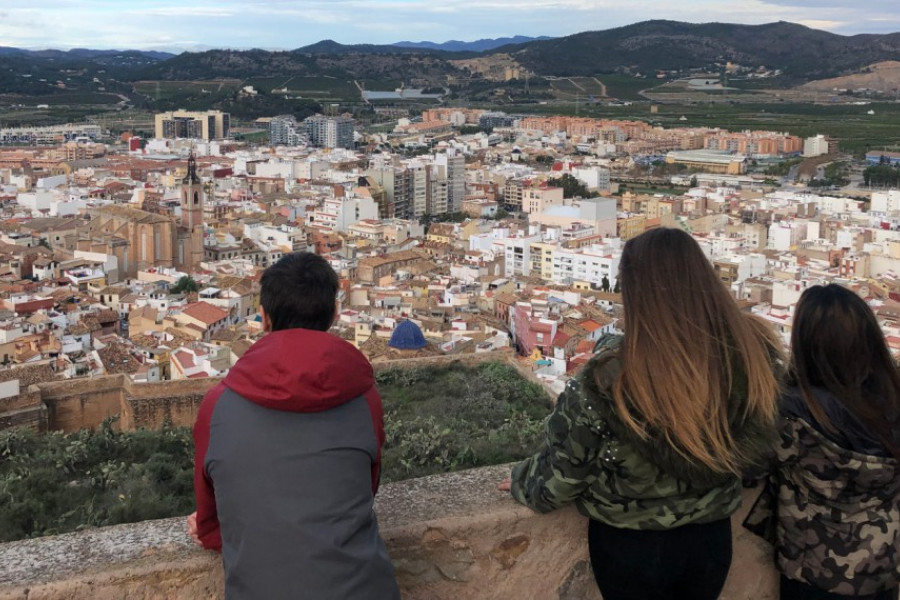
x=686 y=346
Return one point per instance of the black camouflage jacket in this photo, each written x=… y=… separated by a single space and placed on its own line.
x=593 y=459
x=832 y=513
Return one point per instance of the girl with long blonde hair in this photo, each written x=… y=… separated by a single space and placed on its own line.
x=651 y=439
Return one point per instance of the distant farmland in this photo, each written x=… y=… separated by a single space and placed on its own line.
x=174 y=90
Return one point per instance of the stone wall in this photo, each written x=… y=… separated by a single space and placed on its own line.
x=73 y=404
x=25 y=410
x=451 y=537
x=150 y=405
x=83 y=403
x=466 y=360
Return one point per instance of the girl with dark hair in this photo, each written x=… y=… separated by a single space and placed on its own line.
x=831 y=504
x=651 y=439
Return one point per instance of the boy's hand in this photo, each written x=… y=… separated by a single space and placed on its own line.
x=504 y=485
x=192 y=528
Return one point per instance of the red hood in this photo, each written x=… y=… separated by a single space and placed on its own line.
x=301 y=370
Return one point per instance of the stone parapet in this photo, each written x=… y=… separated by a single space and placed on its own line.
x=450 y=536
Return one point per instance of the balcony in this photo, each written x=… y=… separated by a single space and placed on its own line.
x=450 y=536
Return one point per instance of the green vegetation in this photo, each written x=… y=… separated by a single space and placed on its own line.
x=626 y=87
x=883 y=175
x=571 y=186
x=185 y=284
x=782 y=168
x=437 y=419
x=55 y=483
x=440 y=419
x=177 y=91
x=836 y=174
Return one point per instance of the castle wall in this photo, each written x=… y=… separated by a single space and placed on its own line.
x=152 y=405
x=83 y=403
x=73 y=404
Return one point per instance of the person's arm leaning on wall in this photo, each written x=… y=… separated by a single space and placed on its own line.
x=566 y=464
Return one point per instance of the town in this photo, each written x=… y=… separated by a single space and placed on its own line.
x=485 y=231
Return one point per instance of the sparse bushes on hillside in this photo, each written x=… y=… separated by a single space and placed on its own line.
x=437 y=419
x=55 y=483
x=440 y=419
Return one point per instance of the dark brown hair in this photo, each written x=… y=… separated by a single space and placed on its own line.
x=837 y=345
x=299 y=291
x=686 y=341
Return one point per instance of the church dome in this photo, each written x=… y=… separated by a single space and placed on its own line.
x=407 y=336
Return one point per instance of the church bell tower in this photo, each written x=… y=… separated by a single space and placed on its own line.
x=191 y=229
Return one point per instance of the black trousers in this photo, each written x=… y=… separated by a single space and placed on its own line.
x=797 y=590
x=686 y=563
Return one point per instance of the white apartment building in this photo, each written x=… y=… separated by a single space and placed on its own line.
x=885 y=202
x=589 y=265
x=517 y=254
x=786 y=235
x=450 y=166
x=787 y=292
x=536 y=200
x=595 y=178
x=815 y=146
x=599 y=213
x=339 y=213
x=330 y=132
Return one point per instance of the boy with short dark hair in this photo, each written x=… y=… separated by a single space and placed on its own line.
x=287 y=453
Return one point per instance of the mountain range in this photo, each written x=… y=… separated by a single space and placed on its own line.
x=476 y=46
x=467 y=70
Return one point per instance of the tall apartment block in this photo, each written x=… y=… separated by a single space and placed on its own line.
x=284 y=131
x=209 y=125
x=451 y=166
x=330 y=132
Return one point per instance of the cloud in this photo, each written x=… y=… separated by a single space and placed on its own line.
x=294 y=23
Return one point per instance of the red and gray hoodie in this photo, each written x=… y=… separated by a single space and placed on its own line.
x=286 y=466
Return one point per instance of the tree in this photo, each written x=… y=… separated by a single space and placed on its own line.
x=185 y=284
x=571 y=186
x=616 y=288
x=604 y=284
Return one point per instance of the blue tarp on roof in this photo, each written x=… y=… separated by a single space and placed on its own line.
x=407 y=336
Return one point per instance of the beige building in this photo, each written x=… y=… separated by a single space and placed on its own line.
x=208 y=125
x=709 y=161
x=141 y=240
x=535 y=200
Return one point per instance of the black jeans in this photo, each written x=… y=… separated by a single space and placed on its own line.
x=686 y=563
x=797 y=590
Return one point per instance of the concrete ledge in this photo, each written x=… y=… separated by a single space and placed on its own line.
x=451 y=536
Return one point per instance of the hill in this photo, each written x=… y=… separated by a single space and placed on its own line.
x=298 y=81
x=481 y=45
x=881 y=77
x=801 y=53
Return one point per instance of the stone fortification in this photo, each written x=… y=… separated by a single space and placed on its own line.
x=450 y=536
x=73 y=404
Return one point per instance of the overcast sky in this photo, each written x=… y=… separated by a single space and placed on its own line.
x=286 y=24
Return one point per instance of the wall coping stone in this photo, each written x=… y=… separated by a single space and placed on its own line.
x=450 y=536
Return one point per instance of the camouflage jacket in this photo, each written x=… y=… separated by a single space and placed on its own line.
x=832 y=513
x=593 y=459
